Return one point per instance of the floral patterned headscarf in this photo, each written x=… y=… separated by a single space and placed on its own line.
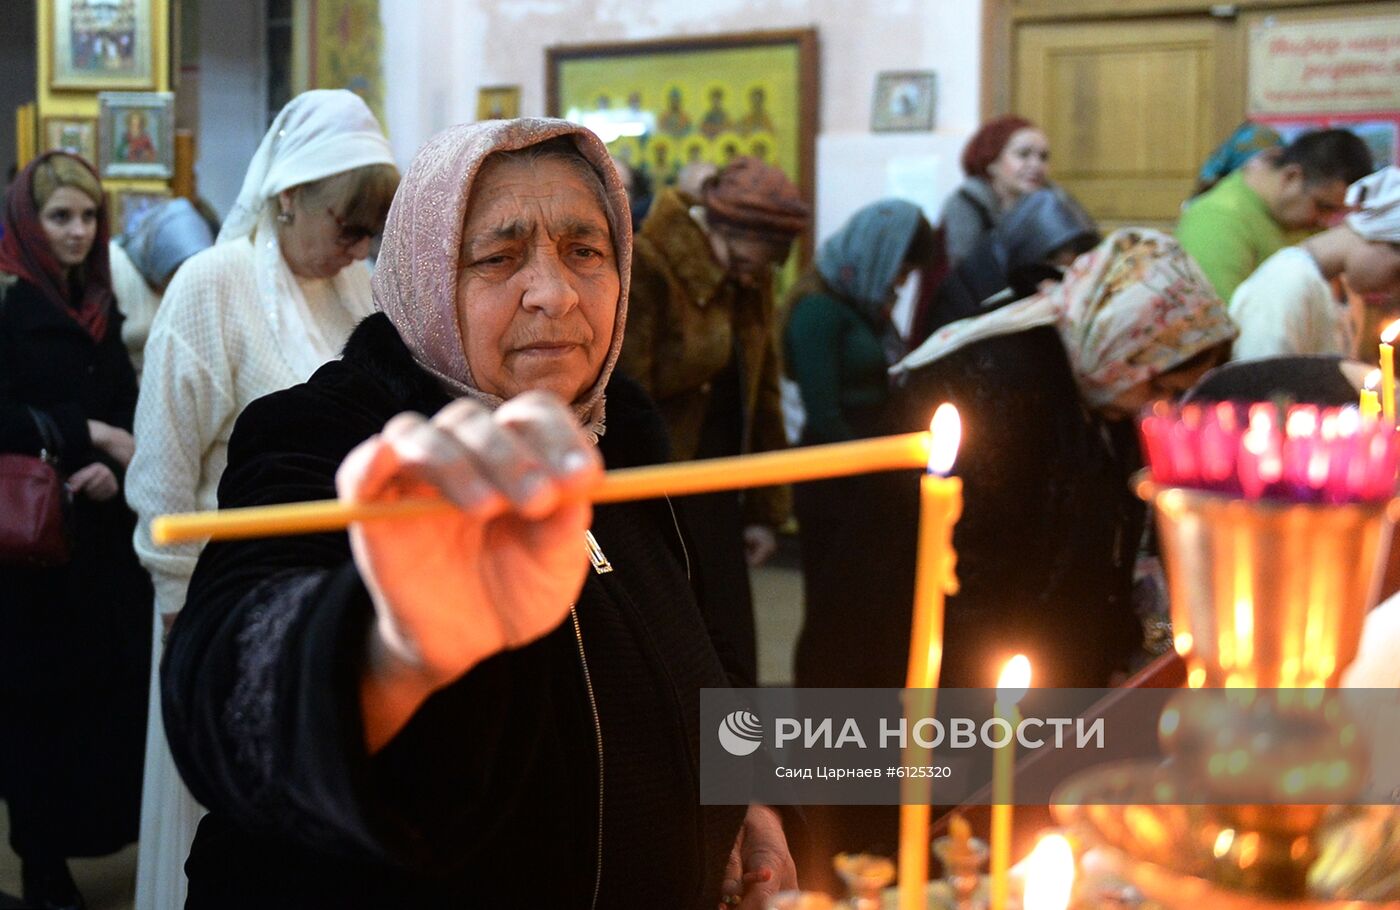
x=1134 y=307
x=415 y=278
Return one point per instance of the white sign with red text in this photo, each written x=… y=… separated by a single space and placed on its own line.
x=1325 y=66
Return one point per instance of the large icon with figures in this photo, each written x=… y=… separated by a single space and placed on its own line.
x=663 y=105
x=101 y=44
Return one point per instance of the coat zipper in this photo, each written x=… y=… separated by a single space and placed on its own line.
x=675 y=522
x=598 y=740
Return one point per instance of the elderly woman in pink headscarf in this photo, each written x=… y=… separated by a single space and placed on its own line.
x=493 y=706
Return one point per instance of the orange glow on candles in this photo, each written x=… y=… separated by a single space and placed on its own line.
x=1011 y=688
x=960 y=831
x=1370 y=397
x=940 y=505
x=1049 y=874
x=1388 y=370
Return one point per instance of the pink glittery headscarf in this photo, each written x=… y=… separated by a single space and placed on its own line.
x=415 y=277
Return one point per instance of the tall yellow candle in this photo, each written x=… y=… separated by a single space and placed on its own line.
x=1388 y=370
x=1370 y=398
x=839 y=459
x=1011 y=686
x=940 y=505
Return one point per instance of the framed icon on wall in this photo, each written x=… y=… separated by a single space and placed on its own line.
x=76 y=135
x=498 y=102
x=101 y=44
x=137 y=130
x=130 y=206
x=904 y=101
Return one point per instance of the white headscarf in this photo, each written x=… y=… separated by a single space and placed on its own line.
x=318 y=134
x=1378 y=200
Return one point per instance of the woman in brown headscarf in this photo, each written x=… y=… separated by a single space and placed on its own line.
x=458 y=710
x=703 y=344
x=72 y=656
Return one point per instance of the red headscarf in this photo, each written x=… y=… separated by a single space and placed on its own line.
x=25 y=253
x=986 y=144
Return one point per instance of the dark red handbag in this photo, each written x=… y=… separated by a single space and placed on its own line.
x=34 y=504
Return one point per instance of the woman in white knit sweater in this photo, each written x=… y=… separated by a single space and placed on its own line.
x=259 y=311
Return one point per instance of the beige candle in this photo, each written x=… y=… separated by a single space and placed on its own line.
x=1011 y=687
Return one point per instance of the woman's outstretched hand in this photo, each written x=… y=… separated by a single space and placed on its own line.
x=453 y=588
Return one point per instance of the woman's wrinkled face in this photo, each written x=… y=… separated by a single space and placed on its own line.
x=537 y=281
x=316 y=244
x=69 y=220
x=1023 y=165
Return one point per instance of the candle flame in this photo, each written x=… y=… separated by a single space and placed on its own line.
x=1049 y=874
x=1301 y=423
x=1348 y=422
x=1015 y=679
x=1373 y=379
x=1390 y=333
x=946 y=428
x=1223 y=842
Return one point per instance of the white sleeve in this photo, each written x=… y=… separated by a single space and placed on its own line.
x=136 y=301
x=1272 y=319
x=186 y=398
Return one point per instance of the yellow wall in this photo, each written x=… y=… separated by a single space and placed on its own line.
x=69 y=103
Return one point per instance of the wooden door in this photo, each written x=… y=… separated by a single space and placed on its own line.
x=1131 y=108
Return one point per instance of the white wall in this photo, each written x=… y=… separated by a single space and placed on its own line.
x=437 y=52
x=232 y=96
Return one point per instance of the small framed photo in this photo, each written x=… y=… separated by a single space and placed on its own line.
x=75 y=135
x=138 y=134
x=498 y=102
x=101 y=44
x=130 y=206
x=904 y=101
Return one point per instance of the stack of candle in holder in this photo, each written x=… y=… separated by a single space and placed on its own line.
x=1298 y=453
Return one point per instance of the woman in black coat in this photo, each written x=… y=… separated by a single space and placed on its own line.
x=462 y=709
x=1046 y=388
x=73 y=646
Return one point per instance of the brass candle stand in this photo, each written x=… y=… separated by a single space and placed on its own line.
x=1255 y=807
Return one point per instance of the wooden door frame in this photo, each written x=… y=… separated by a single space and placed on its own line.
x=999 y=18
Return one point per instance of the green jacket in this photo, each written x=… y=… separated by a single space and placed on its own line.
x=837 y=361
x=684 y=323
x=1229 y=232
